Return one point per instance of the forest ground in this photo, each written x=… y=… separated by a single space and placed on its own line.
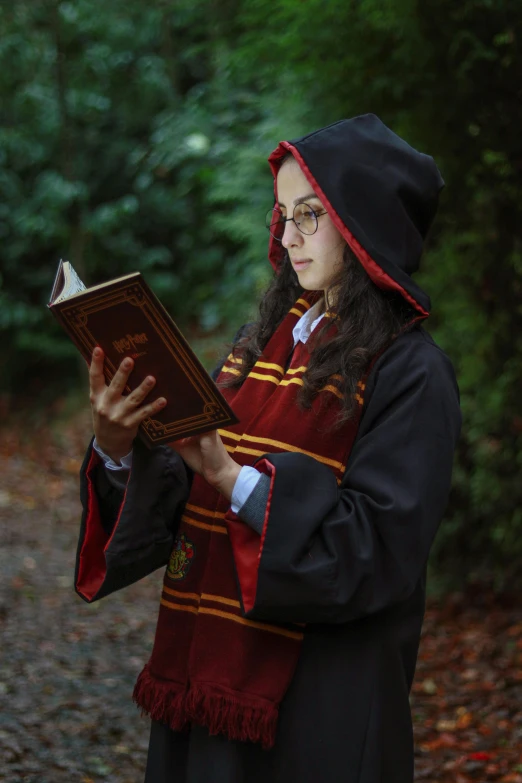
x=67 y=669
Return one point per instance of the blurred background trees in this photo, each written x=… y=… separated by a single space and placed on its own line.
x=135 y=135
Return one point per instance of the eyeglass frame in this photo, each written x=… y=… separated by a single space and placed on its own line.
x=284 y=220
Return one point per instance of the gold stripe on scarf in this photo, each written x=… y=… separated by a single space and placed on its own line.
x=270 y=366
x=288 y=381
x=220 y=599
x=277 y=381
x=280 y=445
x=302 y=303
x=260 y=377
x=264 y=365
x=324 y=460
x=328 y=387
x=180 y=607
x=227 y=434
x=205 y=512
x=333 y=389
x=228 y=616
x=178 y=594
x=204 y=526
x=252 y=623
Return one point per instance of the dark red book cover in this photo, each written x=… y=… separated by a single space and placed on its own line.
x=125 y=318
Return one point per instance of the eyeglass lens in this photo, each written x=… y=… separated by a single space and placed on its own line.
x=304 y=217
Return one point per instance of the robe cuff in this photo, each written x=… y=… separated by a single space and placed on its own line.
x=247 y=543
x=143 y=525
x=253 y=511
x=125 y=462
x=245 y=484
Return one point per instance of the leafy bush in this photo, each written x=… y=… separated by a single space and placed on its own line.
x=136 y=137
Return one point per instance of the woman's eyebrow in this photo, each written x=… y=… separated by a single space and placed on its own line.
x=301 y=199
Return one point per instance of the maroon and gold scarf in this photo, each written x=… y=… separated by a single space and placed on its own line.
x=210 y=664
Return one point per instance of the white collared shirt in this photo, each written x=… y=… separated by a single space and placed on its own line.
x=307 y=323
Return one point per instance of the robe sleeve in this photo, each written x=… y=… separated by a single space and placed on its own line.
x=329 y=553
x=127 y=534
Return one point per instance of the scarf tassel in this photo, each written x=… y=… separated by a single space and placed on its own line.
x=159 y=700
x=221 y=713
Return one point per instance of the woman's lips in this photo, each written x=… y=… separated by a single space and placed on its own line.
x=301 y=263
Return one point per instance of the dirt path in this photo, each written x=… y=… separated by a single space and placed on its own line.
x=67 y=669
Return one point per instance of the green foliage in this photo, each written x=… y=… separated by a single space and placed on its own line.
x=444 y=75
x=136 y=136
x=115 y=153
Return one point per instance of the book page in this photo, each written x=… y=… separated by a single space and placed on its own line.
x=72 y=285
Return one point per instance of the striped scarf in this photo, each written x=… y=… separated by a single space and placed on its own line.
x=211 y=664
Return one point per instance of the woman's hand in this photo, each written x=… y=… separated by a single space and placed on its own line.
x=205 y=454
x=116 y=418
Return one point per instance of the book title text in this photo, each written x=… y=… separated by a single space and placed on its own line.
x=130 y=341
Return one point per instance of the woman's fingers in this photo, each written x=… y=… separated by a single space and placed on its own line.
x=136 y=397
x=119 y=381
x=96 y=376
x=189 y=450
x=145 y=411
x=121 y=376
x=184 y=443
x=116 y=418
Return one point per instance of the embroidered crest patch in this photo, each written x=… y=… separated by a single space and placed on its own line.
x=181 y=557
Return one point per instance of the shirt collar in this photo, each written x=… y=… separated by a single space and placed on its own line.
x=307 y=323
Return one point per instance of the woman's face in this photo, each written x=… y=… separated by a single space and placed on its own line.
x=316 y=258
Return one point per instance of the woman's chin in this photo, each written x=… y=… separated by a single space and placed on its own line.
x=308 y=280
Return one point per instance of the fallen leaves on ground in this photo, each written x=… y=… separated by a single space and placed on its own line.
x=67 y=669
x=467 y=694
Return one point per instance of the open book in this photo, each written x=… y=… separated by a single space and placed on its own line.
x=125 y=318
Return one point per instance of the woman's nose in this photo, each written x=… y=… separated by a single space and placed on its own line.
x=291 y=236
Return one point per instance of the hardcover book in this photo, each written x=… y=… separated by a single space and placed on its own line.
x=125 y=318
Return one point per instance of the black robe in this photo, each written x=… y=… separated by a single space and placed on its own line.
x=348 y=560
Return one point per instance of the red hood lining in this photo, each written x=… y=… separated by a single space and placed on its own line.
x=378 y=275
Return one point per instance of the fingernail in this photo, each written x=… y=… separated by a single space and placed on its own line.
x=126 y=363
x=97 y=351
x=161 y=402
x=149 y=380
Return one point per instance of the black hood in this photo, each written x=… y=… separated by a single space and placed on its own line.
x=381 y=194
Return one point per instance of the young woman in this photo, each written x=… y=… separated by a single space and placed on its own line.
x=296 y=541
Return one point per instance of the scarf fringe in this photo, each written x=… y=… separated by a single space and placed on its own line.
x=159 y=700
x=221 y=713
x=225 y=714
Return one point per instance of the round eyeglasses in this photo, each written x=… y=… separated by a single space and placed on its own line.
x=304 y=217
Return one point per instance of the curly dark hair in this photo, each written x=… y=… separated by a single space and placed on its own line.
x=367 y=317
